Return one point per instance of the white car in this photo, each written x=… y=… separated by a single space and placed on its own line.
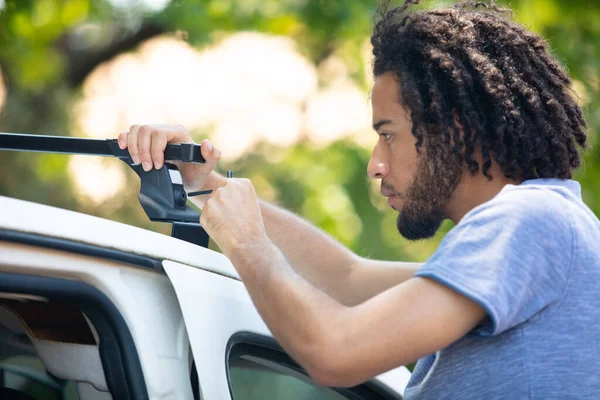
x=95 y=309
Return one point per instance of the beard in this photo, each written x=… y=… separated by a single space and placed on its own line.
x=427 y=196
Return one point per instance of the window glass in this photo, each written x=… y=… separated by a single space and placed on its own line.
x=58 y=325
x=24 y=377
x=252 y=378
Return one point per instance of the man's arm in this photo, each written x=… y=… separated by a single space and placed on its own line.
x=336 y=344
x=344 y=346
x=326 y=263
x=322 y=260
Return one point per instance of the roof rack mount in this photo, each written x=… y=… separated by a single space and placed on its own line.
x=161 y=195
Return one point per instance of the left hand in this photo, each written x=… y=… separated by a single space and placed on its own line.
x=232 y=217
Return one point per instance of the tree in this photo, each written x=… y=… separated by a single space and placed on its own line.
x=49 y=47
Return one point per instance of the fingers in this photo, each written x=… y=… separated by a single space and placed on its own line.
x=147 y=143
x=232 y=216
x=122 y=140
x=132 y=143
x=235 y=188
x=157 y=151
x=144 y=143
x=211 y=154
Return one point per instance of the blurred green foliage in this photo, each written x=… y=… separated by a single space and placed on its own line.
x=48 y=48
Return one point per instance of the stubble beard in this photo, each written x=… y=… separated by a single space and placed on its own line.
x=427 y=197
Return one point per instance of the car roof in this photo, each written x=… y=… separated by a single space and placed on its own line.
x=32 y=218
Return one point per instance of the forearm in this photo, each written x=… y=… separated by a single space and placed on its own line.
x=322 y=260
x=312 y=253
x=315 y=255
x=277 y=291
x=327 y=264
x=344 y=346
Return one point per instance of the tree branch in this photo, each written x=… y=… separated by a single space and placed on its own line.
x=81 y=63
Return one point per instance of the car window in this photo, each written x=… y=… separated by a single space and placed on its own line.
x=63 y=328
x=24 y=377
x=257 y=379
x=258 y=368
x=23 y=374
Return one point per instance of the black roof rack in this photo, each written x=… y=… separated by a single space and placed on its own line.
x=162 y=199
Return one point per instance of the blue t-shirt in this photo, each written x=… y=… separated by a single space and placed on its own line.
x=531 y=258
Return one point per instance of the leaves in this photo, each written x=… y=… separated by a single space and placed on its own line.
x=48 y=47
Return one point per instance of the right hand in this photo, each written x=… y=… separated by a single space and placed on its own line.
x=147 y=143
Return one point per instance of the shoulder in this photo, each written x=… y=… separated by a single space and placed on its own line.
x=518 y=217
x=525 y=206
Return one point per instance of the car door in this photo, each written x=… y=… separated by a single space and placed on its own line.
x=103 y=319
x=235 y=354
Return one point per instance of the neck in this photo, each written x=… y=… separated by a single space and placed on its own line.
x=476 y=190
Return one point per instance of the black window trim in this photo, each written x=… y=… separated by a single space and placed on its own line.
x=120 y=361
x=265 y=347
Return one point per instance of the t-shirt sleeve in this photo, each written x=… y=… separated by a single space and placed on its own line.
x=512 y=255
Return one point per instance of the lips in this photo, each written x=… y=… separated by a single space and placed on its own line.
x=387 y=192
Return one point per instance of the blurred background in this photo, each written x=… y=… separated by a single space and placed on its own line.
x=280 y=86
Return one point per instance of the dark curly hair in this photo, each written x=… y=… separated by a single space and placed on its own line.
x=512 y=98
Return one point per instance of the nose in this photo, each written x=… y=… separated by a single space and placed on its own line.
x=377 y=168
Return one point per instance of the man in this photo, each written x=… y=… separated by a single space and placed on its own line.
x=477 y=124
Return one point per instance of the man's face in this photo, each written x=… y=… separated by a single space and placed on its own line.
x=419 y=187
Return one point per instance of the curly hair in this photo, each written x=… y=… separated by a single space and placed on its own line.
x=470 y=62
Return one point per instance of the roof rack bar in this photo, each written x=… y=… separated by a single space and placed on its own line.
x=162 y=199
x=185 y=152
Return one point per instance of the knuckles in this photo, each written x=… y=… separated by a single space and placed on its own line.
x=247 y=185
x=145 y=130
x=155 y=134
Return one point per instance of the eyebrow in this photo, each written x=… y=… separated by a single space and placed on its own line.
x=381 y=123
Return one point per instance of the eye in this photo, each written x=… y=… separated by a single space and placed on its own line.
x=386 y=136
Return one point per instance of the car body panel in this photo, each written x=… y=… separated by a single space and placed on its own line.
x=24 y=216
x=195 y=300
x=218 y=302
x=145 y=299
x=224 y=304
